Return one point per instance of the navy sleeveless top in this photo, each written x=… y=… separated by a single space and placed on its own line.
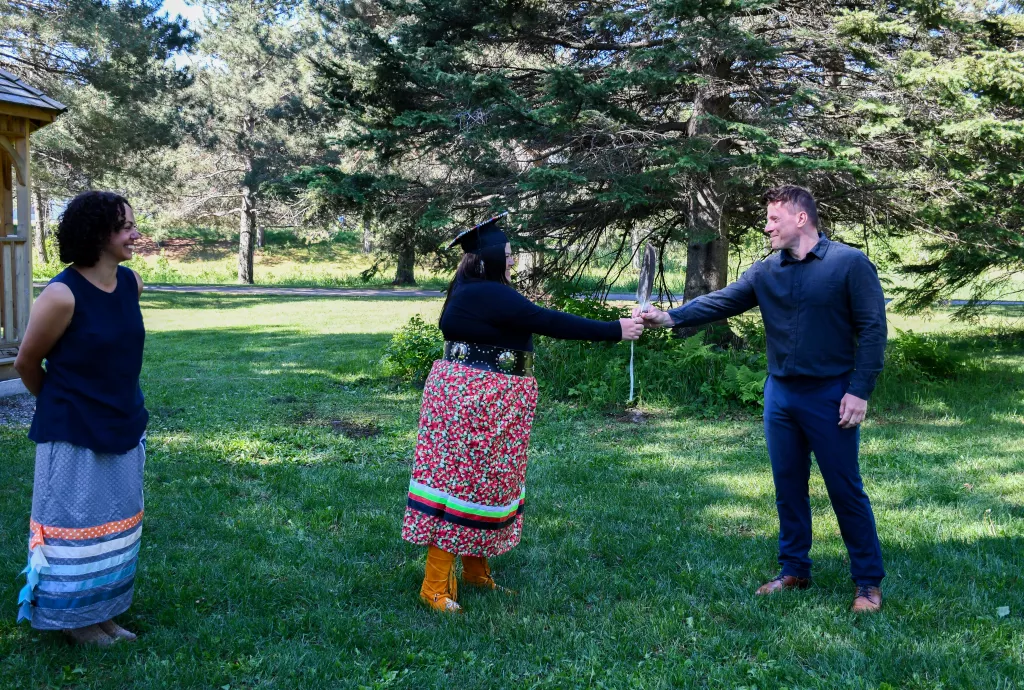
x=91 y=395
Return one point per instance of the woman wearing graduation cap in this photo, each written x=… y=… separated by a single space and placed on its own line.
x=467 y=492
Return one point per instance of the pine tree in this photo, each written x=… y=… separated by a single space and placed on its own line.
x=668 y=117
x=109 y=62
x=961 y=102
x=251 y=119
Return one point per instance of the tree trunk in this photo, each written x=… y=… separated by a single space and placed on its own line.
x=246 y=236
x=260 y=236
x=707 y=251
x=530 y=270
x=42 y=219
x=707 y=255
x=404 y=274
x=367 y=236
x=634 y=245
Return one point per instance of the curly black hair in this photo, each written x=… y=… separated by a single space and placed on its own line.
x=87 y=224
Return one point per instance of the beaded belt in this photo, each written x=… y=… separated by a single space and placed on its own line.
x=489 y=357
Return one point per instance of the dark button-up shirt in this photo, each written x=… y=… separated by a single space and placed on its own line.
x=824 y=316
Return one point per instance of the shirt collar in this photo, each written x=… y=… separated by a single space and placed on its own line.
x=818 y=252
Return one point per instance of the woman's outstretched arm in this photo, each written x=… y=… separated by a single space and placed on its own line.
x=525 y=315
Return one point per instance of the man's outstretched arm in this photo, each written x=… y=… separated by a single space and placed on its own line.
x=731 y=300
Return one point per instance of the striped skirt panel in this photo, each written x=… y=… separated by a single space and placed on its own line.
x=81 y=570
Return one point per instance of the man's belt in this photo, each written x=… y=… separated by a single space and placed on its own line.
x=489 y=357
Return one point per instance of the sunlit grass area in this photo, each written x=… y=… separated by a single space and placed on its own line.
x=205 y=256
x=271 y=554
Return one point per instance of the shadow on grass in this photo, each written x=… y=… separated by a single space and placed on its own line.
x=202 y=301
x=259 y=355
x=212 y=300
x=979 y=393
x=272 y=550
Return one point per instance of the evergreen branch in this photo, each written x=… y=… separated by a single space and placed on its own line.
x=42 y=67
x=220 y=172
x=598 y=46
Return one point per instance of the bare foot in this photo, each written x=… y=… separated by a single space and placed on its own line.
x=89 y=635
x=117 y=632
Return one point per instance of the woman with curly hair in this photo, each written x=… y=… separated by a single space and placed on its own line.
x=81 y=357
x=468 y=487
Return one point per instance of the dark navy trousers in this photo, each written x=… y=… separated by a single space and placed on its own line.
x=801 y=416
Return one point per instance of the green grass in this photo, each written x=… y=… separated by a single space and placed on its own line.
x=272 y=559
x=337 y=261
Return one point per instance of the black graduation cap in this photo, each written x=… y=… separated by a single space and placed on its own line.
x=486 y=234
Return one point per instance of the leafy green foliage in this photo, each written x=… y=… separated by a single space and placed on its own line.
x=110 y=63
x=680 y=372
x=667 y=119
x=251 y=120
x=923 y=356
x=738 y=383
x=683 y=372
x=412 y=350
x=958 y=95
x=53 y=265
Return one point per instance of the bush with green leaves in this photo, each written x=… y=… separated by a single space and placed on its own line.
x=678 y=372
x=681 y=372
x=413 y=350
x=921 y=356
x=53 y=265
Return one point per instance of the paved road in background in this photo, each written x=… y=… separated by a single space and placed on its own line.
x=397 y=292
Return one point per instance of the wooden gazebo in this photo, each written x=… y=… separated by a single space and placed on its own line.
x=23 y=110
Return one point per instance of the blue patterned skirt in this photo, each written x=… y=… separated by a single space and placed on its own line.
x=85 y=535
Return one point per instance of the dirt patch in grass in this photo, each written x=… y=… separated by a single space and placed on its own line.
x=183 y=248
x=352 y=429
x=166 y=412
x=631 y=417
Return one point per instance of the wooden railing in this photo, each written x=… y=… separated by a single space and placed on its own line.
x=15 y=289
x=15 y=251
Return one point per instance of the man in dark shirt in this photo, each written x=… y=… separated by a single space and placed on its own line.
x=824 y=318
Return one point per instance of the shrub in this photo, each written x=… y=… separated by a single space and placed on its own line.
x=920 y=355
x=678 y=372
x=675 y=371
x=412 y=351
x=41 y=271
x=682 y=372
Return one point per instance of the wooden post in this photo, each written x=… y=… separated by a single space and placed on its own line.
x=22 y=109
x=6 y=229
x=22 y=254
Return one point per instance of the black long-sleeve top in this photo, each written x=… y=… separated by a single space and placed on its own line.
x=490 y=313
x=824 y=316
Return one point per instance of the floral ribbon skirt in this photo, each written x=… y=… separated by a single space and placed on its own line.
x=468 y=487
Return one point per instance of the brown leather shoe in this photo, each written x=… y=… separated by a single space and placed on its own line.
x=867 y=600
x=783 y=582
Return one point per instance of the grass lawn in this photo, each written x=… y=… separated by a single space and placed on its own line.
x=203 y=256
x=271 y=553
